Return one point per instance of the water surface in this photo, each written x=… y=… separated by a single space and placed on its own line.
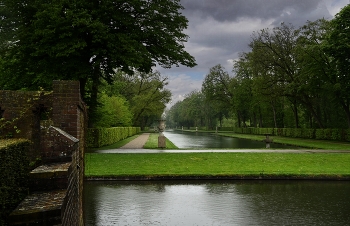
x=217 y=203
x=198 y=140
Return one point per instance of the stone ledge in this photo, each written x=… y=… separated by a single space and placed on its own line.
x=39 y=208
x=50 y=170
x=49 y=177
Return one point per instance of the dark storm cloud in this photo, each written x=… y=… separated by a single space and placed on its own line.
x=231 y=10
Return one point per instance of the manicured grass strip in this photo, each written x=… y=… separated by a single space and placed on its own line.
x=217 y=164
x=116 y=145
x=152 y=142
x=307 y=143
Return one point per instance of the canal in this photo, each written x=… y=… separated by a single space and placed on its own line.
x=211 y=202
x=200 y=140
x=217 y=203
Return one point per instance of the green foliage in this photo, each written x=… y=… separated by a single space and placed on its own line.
x=14 y=167
x=319 y=134
x=193 y=111
x=114 y=112
x=86 y=41
x=146 y=94
x=98 y=137
x=217 y=91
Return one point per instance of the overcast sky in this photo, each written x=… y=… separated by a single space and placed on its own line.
x=219 y=30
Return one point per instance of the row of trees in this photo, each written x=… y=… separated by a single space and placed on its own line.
x=291 y=77
x=86 y=40
x=139 y=100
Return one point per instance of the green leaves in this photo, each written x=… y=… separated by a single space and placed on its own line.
x=87 y=40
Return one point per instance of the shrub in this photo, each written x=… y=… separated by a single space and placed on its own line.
x=14 y=168
x=99 y=137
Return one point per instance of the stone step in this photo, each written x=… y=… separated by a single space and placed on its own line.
x=49 y=177
x=41 y=208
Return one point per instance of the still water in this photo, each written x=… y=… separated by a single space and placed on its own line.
x=217 y=203
x=197 y=140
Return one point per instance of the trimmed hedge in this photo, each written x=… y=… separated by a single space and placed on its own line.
x=14 y=168
x=225 y=128
x=203 y=128
x=318 y=134
x=99 y=137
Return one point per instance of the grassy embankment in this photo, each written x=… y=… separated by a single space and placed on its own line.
x=307 y=143
x=234 y=165
x=245 y=165
x=152 y=143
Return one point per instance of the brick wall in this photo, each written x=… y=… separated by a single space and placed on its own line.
x=70 y=114
x=21 y=114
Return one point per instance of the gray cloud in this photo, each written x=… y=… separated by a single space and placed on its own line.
x=231 y=10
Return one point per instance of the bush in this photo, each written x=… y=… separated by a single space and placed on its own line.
x=225 y=128
x=14 y=168
x=319 y=134
x=99 y=137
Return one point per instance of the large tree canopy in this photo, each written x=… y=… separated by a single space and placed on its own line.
x=86 y=40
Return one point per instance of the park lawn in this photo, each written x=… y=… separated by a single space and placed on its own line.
x=152 y=142
x=298 y=165
x=307 y=143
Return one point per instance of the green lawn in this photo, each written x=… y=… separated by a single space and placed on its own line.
x=299 y=165
x=152 y=142
x=307 y=143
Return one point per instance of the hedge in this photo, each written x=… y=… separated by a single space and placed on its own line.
x=14 y=168
x=319 y=134
x=99 y=137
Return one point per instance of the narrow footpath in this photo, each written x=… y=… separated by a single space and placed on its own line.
x=137 y=143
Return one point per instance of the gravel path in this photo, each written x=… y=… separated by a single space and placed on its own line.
x=137 y=143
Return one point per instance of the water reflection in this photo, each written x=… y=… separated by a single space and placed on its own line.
x=217 y=203
x=195 y=140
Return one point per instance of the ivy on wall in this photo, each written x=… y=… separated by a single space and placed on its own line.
x=14 y=168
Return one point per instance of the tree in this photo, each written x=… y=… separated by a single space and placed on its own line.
x=216 y=88
x=337 y=47
x=114 y=111
x=86 y=40
x=145 y=93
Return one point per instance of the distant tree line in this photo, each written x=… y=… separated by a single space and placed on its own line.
x=291 y=77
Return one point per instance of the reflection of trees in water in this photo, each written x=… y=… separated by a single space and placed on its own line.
x=244 y=202
x=298 y=202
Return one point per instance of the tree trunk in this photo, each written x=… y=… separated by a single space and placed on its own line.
x=93 y=103
x=274 y=114
x=347 y=112
x=239 y=119
x=260 y=118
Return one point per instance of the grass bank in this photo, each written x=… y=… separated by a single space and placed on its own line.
x=307 y=143
x=221 y=165
x=116 y=145
x=152 y=142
